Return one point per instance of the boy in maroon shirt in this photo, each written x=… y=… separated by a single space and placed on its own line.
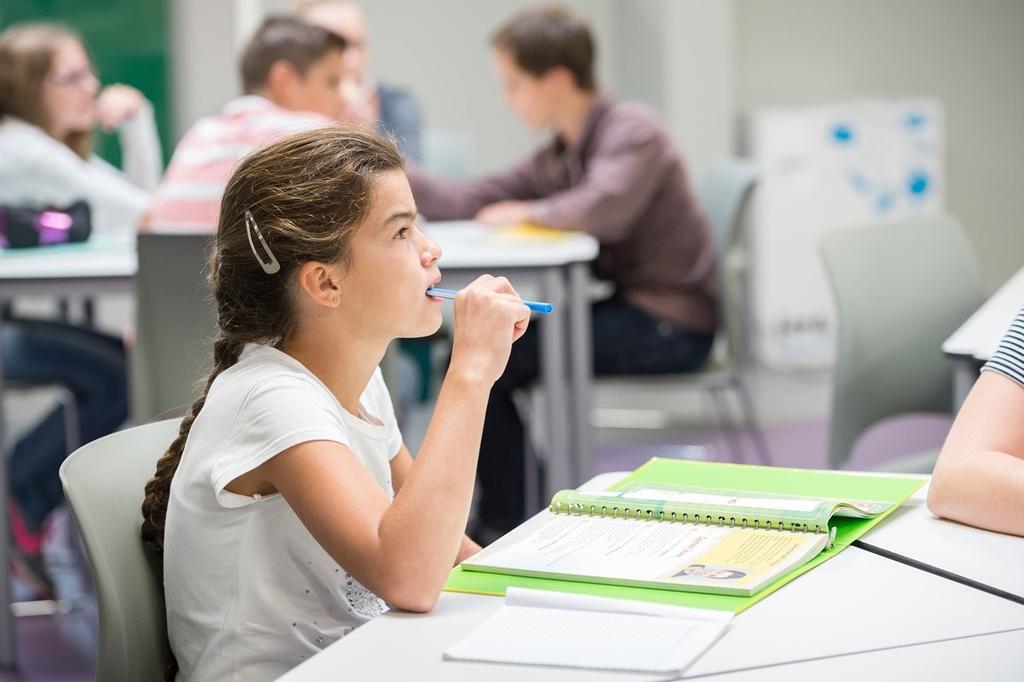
x=610 y=170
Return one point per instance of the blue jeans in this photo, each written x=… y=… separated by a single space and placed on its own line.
x=627 y=341
x=90 y=365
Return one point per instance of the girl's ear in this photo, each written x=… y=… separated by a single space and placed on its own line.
x=318 y=281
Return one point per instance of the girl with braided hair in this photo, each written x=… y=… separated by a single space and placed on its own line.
x=288 y=511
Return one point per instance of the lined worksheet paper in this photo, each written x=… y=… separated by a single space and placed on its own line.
x=587 y=639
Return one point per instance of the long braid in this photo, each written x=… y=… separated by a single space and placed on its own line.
x=158 y=489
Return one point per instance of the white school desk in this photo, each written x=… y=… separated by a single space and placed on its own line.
x=560 y=268
x=856 y=602
x=974 y=342
x=99 y=266
x=992 y=559
x=995 y=657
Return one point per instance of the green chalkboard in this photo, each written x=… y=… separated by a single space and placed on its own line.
x=130 y=41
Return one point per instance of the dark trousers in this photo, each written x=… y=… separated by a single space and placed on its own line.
x=90 y=365
x=627 y=341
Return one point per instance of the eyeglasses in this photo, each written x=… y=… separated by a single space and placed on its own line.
x=77 y=78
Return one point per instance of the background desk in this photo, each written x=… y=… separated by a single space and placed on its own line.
x=99 y=266
x=974 y=342
x=560 y=268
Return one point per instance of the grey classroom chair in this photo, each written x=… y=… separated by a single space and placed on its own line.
x=724 y=193
x=104 y=482
x=175 y=323
x=900 y=289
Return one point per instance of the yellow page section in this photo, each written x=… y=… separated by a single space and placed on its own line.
x=531 y=232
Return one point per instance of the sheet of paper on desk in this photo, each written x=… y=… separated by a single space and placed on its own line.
x=591 y=632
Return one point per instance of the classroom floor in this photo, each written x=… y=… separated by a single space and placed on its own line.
x=793 y=408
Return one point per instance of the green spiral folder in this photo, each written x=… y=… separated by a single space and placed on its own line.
x=773 y=503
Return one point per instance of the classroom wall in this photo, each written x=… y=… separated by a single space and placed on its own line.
x=678 y=57
x=441 y=48
x=701 y=65
x=205 y=75
x=967 y=54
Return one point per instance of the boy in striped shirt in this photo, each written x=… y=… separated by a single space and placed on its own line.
x=291 y=73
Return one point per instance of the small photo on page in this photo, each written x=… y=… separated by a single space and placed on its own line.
x=711 y=572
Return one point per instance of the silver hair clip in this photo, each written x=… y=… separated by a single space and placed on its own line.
x=269 y=266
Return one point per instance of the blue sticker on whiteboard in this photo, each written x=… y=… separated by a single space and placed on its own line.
x=918 y=183
x=842 y=134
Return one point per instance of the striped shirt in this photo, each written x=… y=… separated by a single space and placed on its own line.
x=189 y=194
x=1008 y=359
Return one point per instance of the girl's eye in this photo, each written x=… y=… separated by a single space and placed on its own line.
x=401 y=233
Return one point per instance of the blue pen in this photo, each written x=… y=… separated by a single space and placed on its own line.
x=543 y=308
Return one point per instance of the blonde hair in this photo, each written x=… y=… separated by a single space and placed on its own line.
x=307 y=194
x=26 y=58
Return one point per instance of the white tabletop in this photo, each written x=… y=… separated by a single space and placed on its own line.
x=993 y=559
x=468 y=244
x=855 y=602
x=979 y=336
x=992 y=658
x=97 y=257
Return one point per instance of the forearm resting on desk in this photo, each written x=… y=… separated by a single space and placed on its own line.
x=428 y=516
x=979 y=478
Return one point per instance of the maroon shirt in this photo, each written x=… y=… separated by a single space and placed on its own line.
x=625 y=184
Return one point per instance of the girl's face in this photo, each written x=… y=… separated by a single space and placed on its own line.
x=392 y=264
x=69 y=91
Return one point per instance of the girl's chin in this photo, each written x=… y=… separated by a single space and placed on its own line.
x=426 y=327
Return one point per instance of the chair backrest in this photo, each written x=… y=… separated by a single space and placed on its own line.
x=900 y=289
x=103 y=482
x=176 y=322
x=724 y=192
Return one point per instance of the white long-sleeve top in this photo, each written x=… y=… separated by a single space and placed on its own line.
x=36 y=169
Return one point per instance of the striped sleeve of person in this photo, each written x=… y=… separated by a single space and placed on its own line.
x=1008 y=359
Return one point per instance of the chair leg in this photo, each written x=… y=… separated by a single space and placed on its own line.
x=708 y=404
x=726 y=424
x=751 y=423
x=72 y=437
x=532 y=493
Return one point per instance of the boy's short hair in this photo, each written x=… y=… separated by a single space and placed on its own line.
x=284 y=38
x=543 y=38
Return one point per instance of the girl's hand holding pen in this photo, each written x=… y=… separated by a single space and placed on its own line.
x=489 y=317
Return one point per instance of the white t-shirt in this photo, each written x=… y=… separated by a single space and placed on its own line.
x=249 y=592
x=38 y=170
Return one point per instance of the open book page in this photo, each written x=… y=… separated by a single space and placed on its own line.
x=532 y=629
x=676 y=556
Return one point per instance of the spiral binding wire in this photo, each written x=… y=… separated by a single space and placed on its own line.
x=579 y=509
